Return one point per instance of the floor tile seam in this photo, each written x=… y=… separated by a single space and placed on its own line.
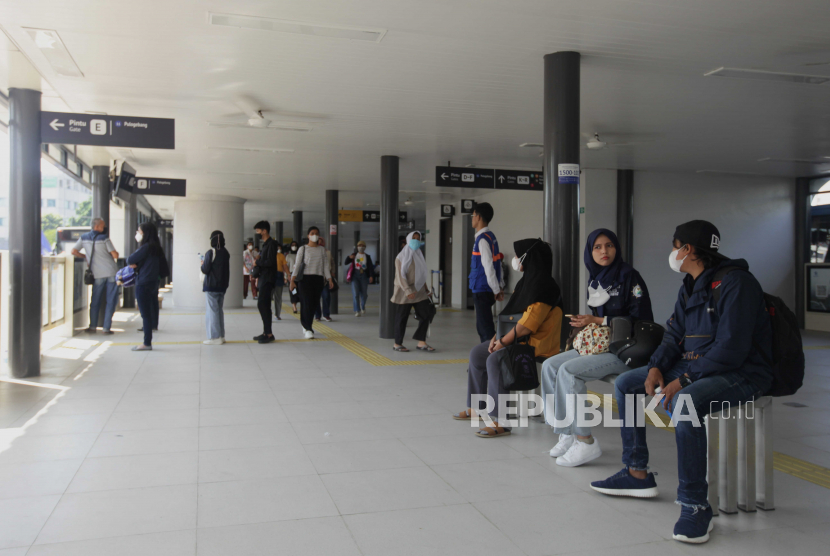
x=99 y=538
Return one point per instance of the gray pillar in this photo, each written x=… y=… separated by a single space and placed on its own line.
x=298 y=227
x=332 y=243
x=101 y=193
x=802 y=244
x=388 y=242
x=356 y=237
x=625 y=214
x=25 y=274
x=279 y=233
x=130 y=227
x=561 y=138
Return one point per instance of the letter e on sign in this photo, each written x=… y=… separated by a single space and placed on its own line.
x=98 y=127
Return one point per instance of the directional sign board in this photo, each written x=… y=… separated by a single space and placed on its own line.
x=474 y=178
x=402 y=216
x=371 y=216
x=165 y=223
x=521 y=180
x=107 y=131
x=161 y=186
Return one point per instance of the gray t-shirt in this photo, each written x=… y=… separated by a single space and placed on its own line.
x=103 y=265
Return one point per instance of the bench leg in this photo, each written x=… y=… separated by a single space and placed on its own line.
x=746 y=459
x=763 y=458
x=728 y=463
x=713 y=446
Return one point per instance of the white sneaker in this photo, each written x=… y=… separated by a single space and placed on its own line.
x=363 y=312
x=580 y=453
x=564 y=444
x=214 y=342
x=308 y=334
x=358 y=314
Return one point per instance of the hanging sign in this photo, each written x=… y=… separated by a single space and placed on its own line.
x=467 y=206
x=402 y=216
x=164 y=224
x=350 y=215
x=474 y=178
x=161 y=186
x=371 y=216
x=520 y=180
x=107 y=131
x=447 y=210
x=569 y=173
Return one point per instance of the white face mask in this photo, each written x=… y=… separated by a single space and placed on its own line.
x=597 y=296
x=293 y=247
x=361 y=249
x=673 y=262
x=250 y=248
x=138 y=237
x=517 y=263
x=313 y=239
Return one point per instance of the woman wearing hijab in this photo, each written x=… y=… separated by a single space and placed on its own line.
x=411 y=290
x=615 y=289
x=216 y=267
x=537 y=296
x=291 y=259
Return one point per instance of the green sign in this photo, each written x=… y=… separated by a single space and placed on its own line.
x=581 y=210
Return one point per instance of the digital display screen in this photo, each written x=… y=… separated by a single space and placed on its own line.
x=818 y=284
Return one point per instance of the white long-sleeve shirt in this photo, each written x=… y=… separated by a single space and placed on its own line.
x=487 y=262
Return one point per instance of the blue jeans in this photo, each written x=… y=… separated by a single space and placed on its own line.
x=215 y=315
x=483 y=302
x=325 y=301
x=360 y=291
x=731 y=388
x=103 y=287
x=147 y=299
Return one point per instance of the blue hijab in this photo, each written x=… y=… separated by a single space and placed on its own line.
x=605 y=275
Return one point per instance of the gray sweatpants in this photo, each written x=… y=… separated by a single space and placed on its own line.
x=277 y=295
x=484 y=377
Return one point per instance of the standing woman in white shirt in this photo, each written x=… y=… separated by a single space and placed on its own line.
x=291 y=259
x=312 y=260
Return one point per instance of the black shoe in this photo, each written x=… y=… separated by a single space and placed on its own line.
x=141 y=329
x=265 y=339
x=90 y=330
x=107 y=332
x=258 y=338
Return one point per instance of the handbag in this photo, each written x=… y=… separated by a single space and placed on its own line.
x=89 y=277
x=126 y=277
x=593 y=340
x=517 y=364
x=350 y=272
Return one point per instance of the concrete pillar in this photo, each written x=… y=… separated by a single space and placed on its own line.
x=331 y=239
x=101 y=193
x=299 y=233
x=561 y=139
x=195 y=217
x=625 y=213
x=25 y=272
x=802 y=244
x=278 y=232
x=388 y=241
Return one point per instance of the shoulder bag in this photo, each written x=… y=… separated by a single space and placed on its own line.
x=517 y=364
x=89 y=277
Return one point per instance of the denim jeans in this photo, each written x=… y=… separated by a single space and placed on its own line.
x=360 y=291
x=215 y=315
x=103 y=288
x=325 y=302
x=146 y=298
x=732 y=388
x=565 y=375
x=483 y=302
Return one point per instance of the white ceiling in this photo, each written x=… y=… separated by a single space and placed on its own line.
x=458 y=80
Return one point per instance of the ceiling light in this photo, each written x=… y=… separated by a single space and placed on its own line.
x=51 y=46
x=741 y=73
x=253 y=149
x=535 y=145
x=297 y=27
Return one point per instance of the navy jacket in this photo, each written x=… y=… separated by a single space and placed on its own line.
x=629 y=298
x=217 y=271
x=149 y=266
x=723 y=338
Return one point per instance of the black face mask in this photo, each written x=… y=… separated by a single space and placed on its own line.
x=259 y=236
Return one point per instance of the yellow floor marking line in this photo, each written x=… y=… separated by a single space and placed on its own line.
x=816 y=347
x=801 y=469
x=196 y=342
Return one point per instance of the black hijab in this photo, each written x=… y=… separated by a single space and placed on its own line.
x=537 y=284
x=605 y=275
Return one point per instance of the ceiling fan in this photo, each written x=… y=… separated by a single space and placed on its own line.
x=594 y=143
x=252 y=114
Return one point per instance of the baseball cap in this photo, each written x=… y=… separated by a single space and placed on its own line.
x=361 y=242
x=700 y=233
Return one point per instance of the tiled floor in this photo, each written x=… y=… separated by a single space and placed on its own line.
x=303 y=448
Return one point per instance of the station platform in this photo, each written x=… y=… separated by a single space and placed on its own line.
x=340 y=446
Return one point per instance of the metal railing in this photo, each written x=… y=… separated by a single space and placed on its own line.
x=54 y=288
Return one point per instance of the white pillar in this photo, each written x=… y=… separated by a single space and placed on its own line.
x=194 y=218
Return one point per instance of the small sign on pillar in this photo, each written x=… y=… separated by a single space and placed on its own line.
x=333 y=229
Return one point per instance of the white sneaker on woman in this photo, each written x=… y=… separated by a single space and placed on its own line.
x=308 y=334
x=564 y=444
x=358 y=314
x=580 y=453
x=214 y=342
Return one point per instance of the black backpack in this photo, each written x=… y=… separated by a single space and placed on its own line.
x=787 y=352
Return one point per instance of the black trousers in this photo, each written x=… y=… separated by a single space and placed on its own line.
x=263 y=303
x=402 y=311
x=310 y=289
x=483 y=302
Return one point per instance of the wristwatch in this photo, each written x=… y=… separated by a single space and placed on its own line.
x=685 y=381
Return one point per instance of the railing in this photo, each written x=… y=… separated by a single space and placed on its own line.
x=54 y=288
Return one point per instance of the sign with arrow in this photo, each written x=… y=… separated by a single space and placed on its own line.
x=522 y=180
x=472 y=178
x=161 y=186
x=107 y=131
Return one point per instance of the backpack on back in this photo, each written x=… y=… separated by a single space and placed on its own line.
x=787 y=362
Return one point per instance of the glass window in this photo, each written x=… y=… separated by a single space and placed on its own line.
x=819 y=219
x=2 y=222
x=50 y=202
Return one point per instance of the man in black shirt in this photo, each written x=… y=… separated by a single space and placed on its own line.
x=266 y=269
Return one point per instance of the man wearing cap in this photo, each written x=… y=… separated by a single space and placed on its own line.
x=714 y=354
x=361 y=276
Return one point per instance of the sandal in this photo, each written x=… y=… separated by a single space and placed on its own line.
x=400 y=348
x=425 y=348
x=465 y=415
x=491 y=432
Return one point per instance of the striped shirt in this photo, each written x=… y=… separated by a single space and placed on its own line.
x=315 y=260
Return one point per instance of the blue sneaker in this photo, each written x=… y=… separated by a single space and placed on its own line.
x=693 y=526
x=623 y=484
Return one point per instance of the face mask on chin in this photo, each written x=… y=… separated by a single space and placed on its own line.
x=597 y=296
x=673 y=262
